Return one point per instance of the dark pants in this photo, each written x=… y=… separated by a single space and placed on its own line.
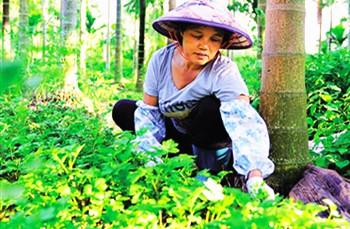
x=206 y=129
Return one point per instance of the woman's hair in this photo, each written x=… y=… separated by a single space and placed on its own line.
x=181 y=27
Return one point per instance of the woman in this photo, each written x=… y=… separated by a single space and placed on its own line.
x=197 y=97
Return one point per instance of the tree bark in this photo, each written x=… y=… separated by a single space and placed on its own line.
x=319 y=184
x=118 y=71
x=108 y=39
x=172 y=5
x=261 y=27
x=82 y=37
x=6 y=39
x=141 y=52
x=23 y=27
x=319 y=21
x=349 y=30
x=283 y=94
x=135 y=51
x=43 y=25
x=69 y=43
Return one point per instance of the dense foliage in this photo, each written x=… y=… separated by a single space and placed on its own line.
x=62 y=167
x=328 y=88
x=327 y=80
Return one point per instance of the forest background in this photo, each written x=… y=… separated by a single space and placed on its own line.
x=64 y=162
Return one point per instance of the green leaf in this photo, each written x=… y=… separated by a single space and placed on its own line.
x=11 y=191
x=334 y=87
x=343 y=151
x=88 y=189
x=170 y=146
x=326 y=97
x=47 y=213
x=342 y=164
x=309 y=121
x=100 y=184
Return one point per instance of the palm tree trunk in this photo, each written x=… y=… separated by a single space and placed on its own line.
x=283 y=94
x=349 y=30
x=43 y=25
x=6 y=39
x=172 y=5
x=261 y=27
x=141 y=52
x=135 y=52
x=319 y=21
x=69 y=43
x=23 y=42
x=118 y=73
x=108 y=39
x=82 y=37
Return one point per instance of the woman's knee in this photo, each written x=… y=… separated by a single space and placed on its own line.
x=123 y=114
x=209 y=107
x=206 y=126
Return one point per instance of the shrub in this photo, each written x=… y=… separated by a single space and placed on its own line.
x=63 y=168
x=328 y=89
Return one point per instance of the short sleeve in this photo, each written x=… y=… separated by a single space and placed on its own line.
x=229 y=83
x=150 y=86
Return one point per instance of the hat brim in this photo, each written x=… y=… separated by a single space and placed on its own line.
x=204 y=12
x=238 y=38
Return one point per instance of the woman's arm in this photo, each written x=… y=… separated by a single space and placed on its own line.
x=249 y=135
x=150 y=100
x=148 y=116
x=254 y=172
x=250 y=144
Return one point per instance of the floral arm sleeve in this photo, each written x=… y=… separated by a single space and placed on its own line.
x=149 y=117
x=250 y=140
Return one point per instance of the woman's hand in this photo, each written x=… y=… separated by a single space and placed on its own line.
x=255 y=185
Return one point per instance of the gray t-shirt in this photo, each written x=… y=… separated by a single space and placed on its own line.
x=219 y=77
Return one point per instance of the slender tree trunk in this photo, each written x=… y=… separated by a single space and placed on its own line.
x=118 y=71
x=349 y=30
x=141 y=52
x=23 y=42
x=283 y=94
x=83 y=37
x=44 y=28
x=69 y=42
x=6 y=39
x=108 y=39
x=261 y=27
x=134 y=56
x=172 y=5
x=329 y=43
x=230 y=53
x=319 y=21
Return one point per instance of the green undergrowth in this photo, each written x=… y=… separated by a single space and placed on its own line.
x=328 y=112
x=62 y=167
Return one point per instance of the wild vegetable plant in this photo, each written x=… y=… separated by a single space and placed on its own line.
x=328 y=88
x=64 y=168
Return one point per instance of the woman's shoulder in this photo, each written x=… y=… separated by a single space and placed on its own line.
x=161 y=57
x=223 y=63
x=164 y=51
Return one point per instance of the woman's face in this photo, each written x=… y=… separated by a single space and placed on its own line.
x=201 y=43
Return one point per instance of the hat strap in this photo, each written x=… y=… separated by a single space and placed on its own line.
x=177 y=44
x=228 y=44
